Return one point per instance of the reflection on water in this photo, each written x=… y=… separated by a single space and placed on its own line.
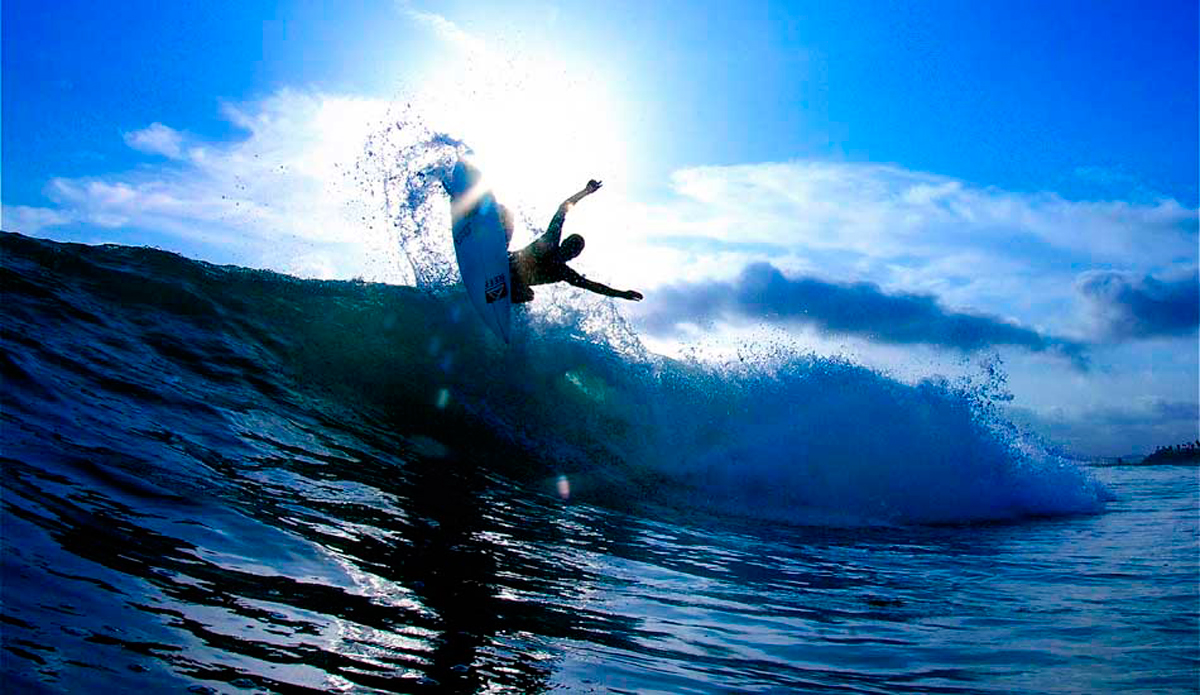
x=343 y=567
x=326 y=566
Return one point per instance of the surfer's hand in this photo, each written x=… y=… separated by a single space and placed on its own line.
x=632 y=295
x=592 y=186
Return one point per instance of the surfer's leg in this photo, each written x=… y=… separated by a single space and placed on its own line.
x=521 y=293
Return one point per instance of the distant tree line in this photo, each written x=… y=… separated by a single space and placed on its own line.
x=1180 y=452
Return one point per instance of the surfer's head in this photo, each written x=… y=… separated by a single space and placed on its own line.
x=571 y=247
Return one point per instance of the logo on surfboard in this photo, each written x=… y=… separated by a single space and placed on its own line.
x=495 y=289
x=462 y=231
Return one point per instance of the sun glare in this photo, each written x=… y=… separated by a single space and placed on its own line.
x=538 y=131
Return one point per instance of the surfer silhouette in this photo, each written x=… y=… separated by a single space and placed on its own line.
x=544 y=261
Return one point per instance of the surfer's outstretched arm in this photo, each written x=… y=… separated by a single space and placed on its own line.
x=573 y=278
x=554 y=231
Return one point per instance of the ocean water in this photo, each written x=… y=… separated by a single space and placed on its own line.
x=224 y=480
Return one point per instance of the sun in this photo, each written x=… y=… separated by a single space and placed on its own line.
x=539 y=128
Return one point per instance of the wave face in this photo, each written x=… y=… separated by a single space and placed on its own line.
x=101 y=340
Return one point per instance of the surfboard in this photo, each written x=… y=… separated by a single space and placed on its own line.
x=481 y=246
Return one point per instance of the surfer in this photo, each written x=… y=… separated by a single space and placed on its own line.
x=544 y=261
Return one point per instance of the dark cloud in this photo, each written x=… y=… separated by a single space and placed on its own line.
x=1127 y=307
x=762 y=292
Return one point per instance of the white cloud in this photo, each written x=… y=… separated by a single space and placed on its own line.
x=884 y=211
x=286 y=184
x=31 y=220
x=157 y=139
x=979 y=249
x=445 y=29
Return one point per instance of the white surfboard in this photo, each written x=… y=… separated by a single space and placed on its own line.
x=481 y=246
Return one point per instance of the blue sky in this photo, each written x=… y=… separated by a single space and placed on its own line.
x=1016 y=95
x=1015 y=176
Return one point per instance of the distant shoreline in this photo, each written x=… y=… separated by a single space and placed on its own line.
x=1189 y=453
x=1182 y=455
